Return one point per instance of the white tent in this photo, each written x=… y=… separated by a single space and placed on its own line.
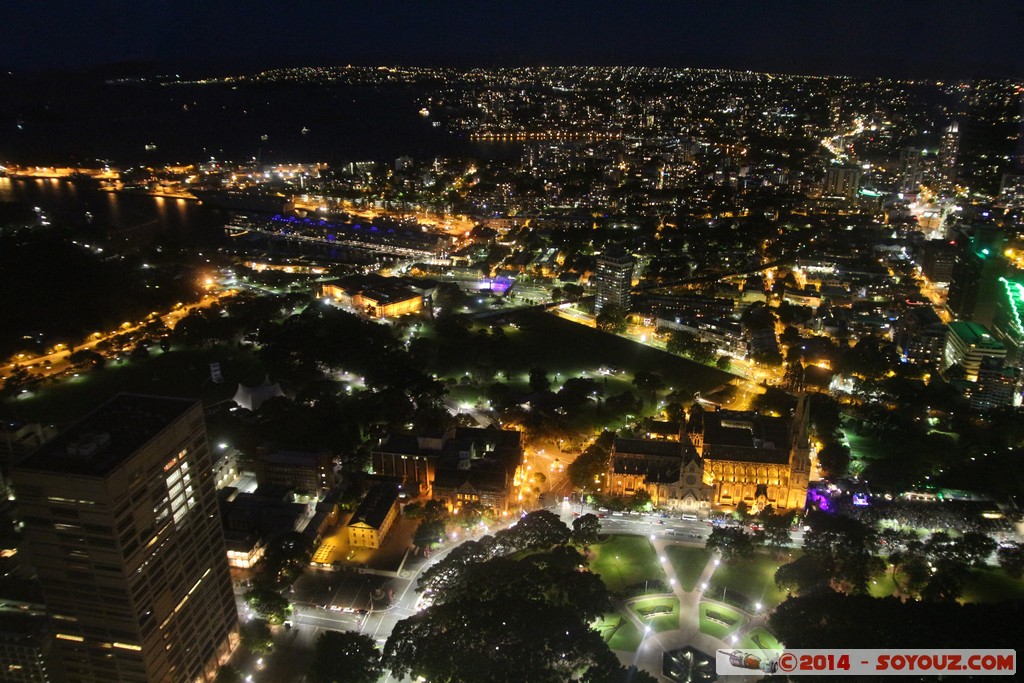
x=251 y=398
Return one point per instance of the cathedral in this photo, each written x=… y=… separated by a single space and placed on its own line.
x=719 y=458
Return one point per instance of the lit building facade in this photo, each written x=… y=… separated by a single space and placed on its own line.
x=841 y=181
x=374 y=517
x=614 y=278
x=121 y=525
x=967 y=344
x=726 y=457
x=949 y=152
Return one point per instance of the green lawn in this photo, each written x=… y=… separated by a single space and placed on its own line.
x=688 y=562
x=177 y=373
x=624 y=561
x=882 y=586
x=665 y=616
x=619 y=632
x=751 y=577
x=559 y=345
x=759 y=638
x=992 y=585
x=732 y=617
x=863 y=449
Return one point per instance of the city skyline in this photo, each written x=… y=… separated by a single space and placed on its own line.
x=945 y=39
x=330 y=356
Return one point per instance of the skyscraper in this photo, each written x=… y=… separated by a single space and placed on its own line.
x=121 y=525
x=949 y=149
x=614 y=280
x=911 y=173
x=975 y=288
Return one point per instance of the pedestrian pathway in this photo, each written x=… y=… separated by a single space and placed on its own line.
x=649 y=653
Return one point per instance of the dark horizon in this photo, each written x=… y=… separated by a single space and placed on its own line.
x=914 y=39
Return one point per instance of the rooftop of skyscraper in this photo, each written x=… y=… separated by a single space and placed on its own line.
x=104 y=438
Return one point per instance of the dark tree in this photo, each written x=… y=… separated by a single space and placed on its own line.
x=974 y=548
x=801 y=576
x=228 y=674
x=255 y=635
x=777 y=528
x=585 y=529
x=539 y=381
x=448 y=296
x=268 y=604
x=845 y=547
x=345 y=657
x=730 y=542
x=540 y=529
x=429 y=533
x=835 y=459
x=587 y=471
x=611 y=319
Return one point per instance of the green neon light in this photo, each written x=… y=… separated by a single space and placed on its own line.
x=1015 y=293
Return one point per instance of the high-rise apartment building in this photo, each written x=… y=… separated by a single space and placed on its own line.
x=122 y=527
x=614 y=281
x=841 y=181
x=949 y=150
x=911 y=173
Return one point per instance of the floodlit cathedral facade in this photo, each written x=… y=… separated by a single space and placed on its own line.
x=721 y=458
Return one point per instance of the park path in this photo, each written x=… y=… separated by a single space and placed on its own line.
x=648 y=655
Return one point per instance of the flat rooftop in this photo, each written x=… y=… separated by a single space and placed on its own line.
x=974 y=334
x=107 y=436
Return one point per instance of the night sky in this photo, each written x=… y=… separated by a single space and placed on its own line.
x=938 y=38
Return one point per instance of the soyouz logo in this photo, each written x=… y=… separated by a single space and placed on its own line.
x=867 y=662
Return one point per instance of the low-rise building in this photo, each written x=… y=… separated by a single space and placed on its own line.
x=374 y=517
x=467 y=461
x=304 y=472
x=376 y=296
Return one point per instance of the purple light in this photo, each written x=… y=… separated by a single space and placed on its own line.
x=819 y=500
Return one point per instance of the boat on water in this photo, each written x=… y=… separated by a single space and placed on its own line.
x=245 y=201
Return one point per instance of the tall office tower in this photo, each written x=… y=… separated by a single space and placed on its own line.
x=911 y=173
x=975 y=288
x=121 y=525
x=938 y=261
x=1008 y=321
x=614 y=280
x=841 y=181
x=949 y=149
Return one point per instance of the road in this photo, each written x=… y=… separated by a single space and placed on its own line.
x=316 y=592
x=58 y=360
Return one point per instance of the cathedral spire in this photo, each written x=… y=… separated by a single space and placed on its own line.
x=800 y=428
